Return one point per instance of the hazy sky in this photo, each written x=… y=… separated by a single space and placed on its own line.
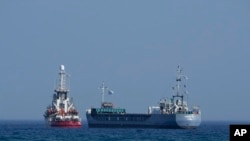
x=134 y=46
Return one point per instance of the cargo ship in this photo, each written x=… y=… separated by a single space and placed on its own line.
x=171 y=113
x=62 y=112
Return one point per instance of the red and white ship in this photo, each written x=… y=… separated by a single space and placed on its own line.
x=62 y=113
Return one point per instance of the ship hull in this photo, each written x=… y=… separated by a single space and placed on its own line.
x=66 y=124
x=166 y=121
x=73 y=124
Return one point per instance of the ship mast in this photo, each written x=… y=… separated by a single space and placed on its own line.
x=179 y=77
x=62 y=88
x=103 y=88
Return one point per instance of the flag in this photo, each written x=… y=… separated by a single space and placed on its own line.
x=110 y=92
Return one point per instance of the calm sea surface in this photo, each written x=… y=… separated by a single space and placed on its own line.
x=37 y=131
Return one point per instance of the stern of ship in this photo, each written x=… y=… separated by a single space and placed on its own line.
x=188 y=120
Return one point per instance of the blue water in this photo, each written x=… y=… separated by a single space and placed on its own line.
x=37 y=131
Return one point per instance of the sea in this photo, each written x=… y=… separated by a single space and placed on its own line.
x=25 y=130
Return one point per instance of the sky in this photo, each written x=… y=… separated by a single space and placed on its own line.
x=133 y=46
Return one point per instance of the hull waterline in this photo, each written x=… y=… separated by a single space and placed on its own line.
x=74 y=124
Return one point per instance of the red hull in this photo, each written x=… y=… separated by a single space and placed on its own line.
x=66 y=124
